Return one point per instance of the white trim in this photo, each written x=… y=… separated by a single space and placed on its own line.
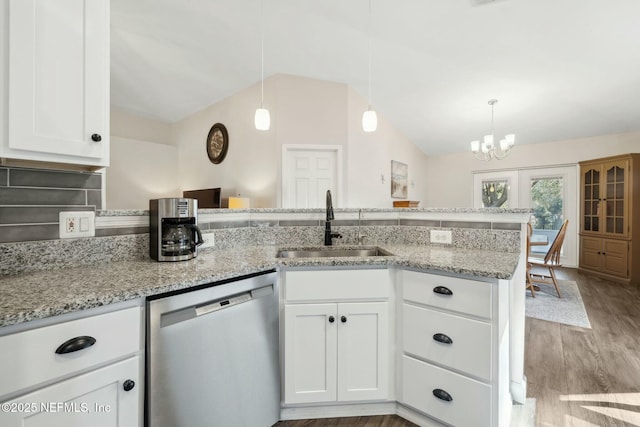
x=122 y=221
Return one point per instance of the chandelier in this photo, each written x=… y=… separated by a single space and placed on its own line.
x=488 y=150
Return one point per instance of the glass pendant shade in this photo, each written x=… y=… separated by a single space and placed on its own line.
x=369 y=121
x=262 y=119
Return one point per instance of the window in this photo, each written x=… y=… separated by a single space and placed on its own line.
x=547 y=204
x=495 y=194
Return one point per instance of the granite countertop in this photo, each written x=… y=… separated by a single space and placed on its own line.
x=42 y=294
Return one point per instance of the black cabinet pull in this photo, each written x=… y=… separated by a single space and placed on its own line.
x=444 y=339
x=96 y=137
x=442 y=395
x=75 y=344
x=442 y=290
x=343 y=319
x=128 y=385
x=332 y=319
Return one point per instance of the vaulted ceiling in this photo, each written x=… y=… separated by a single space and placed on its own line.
x=560 y=69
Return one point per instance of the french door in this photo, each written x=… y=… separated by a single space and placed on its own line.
x=551 y=193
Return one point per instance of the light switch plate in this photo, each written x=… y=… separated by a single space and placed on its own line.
x=77 y=224
x=209 y=241
x=441 y=236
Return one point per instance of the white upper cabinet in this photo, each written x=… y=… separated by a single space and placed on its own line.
x=58 y=76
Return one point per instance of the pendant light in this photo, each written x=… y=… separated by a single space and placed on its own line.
x=369 y=118
x=262 y=118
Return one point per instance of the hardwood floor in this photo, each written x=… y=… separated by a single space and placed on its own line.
x=377 y=421
x=588 y=377
x=579 y=377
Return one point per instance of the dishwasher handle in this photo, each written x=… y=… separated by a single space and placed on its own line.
x=195 y=311
x=210 y=307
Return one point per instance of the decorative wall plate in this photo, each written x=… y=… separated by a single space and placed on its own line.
x=217 y=143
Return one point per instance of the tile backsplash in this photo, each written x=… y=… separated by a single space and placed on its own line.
x=31 y=199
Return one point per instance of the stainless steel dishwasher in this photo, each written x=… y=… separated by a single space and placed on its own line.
x=212 y=356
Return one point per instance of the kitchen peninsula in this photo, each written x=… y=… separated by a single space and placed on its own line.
x=486 y=250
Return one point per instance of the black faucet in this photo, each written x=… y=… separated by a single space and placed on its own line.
x=328 y=235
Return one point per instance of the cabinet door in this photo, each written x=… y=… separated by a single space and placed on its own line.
x=591 y=195
x=590 y=253
x=310 y=348
x=59 y=81
x=615 y=257
x=96 y=399
x=363 y=346
x=615 y=198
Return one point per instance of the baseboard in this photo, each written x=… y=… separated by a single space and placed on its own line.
x=518 y=390
x=604 y=276
x=335 y=411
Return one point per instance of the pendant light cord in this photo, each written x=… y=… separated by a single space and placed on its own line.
x=261 y=53
x=369 y=33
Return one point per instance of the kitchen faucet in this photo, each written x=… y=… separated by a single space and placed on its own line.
x=328 y=235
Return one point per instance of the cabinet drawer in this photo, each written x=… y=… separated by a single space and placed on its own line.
x=29 y=358
x=470 y=347
x=337 y=285
x=466 y=296
x=471 y=400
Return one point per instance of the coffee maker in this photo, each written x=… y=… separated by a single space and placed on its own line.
x=173 y=229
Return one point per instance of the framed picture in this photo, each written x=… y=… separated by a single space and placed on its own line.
x=399 y=175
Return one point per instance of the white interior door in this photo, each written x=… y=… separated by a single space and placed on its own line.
x=308 y=171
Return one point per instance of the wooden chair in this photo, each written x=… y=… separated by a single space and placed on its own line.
x=551 y=260
x=529 y=284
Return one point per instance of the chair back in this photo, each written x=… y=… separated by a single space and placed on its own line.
x=553 y=254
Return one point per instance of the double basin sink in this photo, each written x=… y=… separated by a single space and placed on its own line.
x=332 y=251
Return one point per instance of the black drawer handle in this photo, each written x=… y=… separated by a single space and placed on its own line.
x=442 y=290
x=96 y=137
x=75 y=344
x=332 y=319
x=444 y=339
x=128 y=385
x=442 y=395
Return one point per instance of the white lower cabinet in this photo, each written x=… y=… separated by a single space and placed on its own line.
x=454 y=352
x=445 y=395
x=106 y=397
x=79 y=372
x=336 y=351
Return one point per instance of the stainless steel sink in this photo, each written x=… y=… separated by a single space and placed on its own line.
x=329 y=251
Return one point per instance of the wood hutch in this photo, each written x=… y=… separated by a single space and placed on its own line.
x=610 y=206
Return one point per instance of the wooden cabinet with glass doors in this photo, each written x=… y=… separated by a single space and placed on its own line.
x=608 y=211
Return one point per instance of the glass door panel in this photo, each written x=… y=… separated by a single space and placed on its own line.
x=547 y=203
x=590 y=217
x=614 y=213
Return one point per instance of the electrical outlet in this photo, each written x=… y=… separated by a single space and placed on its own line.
x=209 y=241
x=441 y=236
x=71 y=224
x=77 y=224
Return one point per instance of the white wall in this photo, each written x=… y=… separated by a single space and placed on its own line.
x=450 y=180
x=250 y=166
x=144 y=162
x=370 y=155
x=303 y=111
